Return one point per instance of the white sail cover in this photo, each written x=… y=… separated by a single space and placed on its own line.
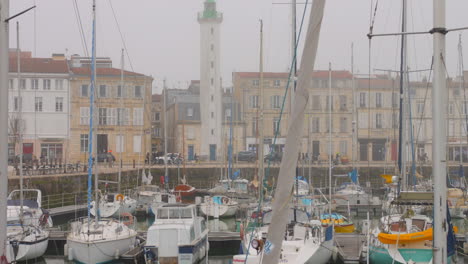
x=280 y=206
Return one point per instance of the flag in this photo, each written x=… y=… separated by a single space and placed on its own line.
x=353 y=175
x=235 y=175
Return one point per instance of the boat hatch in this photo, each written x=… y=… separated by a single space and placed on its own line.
x=175 y=213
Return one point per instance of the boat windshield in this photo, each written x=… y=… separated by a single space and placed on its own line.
x=301 y=217
x=147 y=188
x=240 y=186
x=398 y=226
x=419 y=223
x=174 y=213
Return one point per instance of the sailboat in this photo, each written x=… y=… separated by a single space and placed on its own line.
x=113 y=204
x=289 y=236
x=411 y=238
x=27 y=237
x=96 y=240
x=340 y=223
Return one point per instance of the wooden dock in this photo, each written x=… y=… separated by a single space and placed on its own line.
x=67 y=209
x=349 y=246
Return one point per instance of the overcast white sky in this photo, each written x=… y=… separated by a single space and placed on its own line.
x=162 y=36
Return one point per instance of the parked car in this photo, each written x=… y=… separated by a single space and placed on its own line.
x=249 y=156
x=105 y=157
x=274 y=157
x=172 y=158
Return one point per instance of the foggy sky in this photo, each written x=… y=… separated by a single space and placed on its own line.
x=162 y=36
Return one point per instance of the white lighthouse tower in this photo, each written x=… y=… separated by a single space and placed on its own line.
x=210 y=81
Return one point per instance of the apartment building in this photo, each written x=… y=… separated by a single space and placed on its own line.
x=41 y=91
x=122 y=116
x=316 y=131
x=185 y=126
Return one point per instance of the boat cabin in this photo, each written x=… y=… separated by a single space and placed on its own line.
x=176 y=211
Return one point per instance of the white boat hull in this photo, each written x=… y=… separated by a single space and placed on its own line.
x=114 y=209
x=26 y=243
x=28 y=249
x=218 y=210
x=95 y=252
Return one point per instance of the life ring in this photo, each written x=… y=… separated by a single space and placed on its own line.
x=119 y=197
x=129 y=217
x=225 y=200
x=241 y=227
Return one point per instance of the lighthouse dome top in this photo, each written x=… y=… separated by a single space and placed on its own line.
x=209 y=13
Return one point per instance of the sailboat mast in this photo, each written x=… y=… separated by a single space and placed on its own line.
x=122 y=89
x=166 y=174
x=19 y=122
x=4 y=42
x=354 y=123
x=91 y=121
x=261 y=172
x=460 y=62
x=330 y=150
x=293 y=48
x=439 y=137
x=402 y=154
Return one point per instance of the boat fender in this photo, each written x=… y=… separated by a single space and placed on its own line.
x=225 y=200
x=150 y=254
x=117 y=254
x=241 y=227
x=119 y=197
x=70 y=254
x=65 y=250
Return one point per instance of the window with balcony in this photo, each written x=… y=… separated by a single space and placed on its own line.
x=138 y=92
x=316 y=125
x=275 y=101
x=38 y=104
x=84 y=90
x=343 y=124
x=84 y=142
x=316 y=104
x=362 y=100
x=58 y=104
x=378 y=121
x=34 y=84
x=59 y=84
x=46 y=84
x=343 y=103
x=253 y=101
x=378 y=100
x=102 y=91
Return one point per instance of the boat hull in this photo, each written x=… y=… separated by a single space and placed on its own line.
x=382 y=255
x=94 y=252
x=344 y=228
x=218 y=210
x=27 y=250
x=186 y=254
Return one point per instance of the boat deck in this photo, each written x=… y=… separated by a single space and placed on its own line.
x=349 y=246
